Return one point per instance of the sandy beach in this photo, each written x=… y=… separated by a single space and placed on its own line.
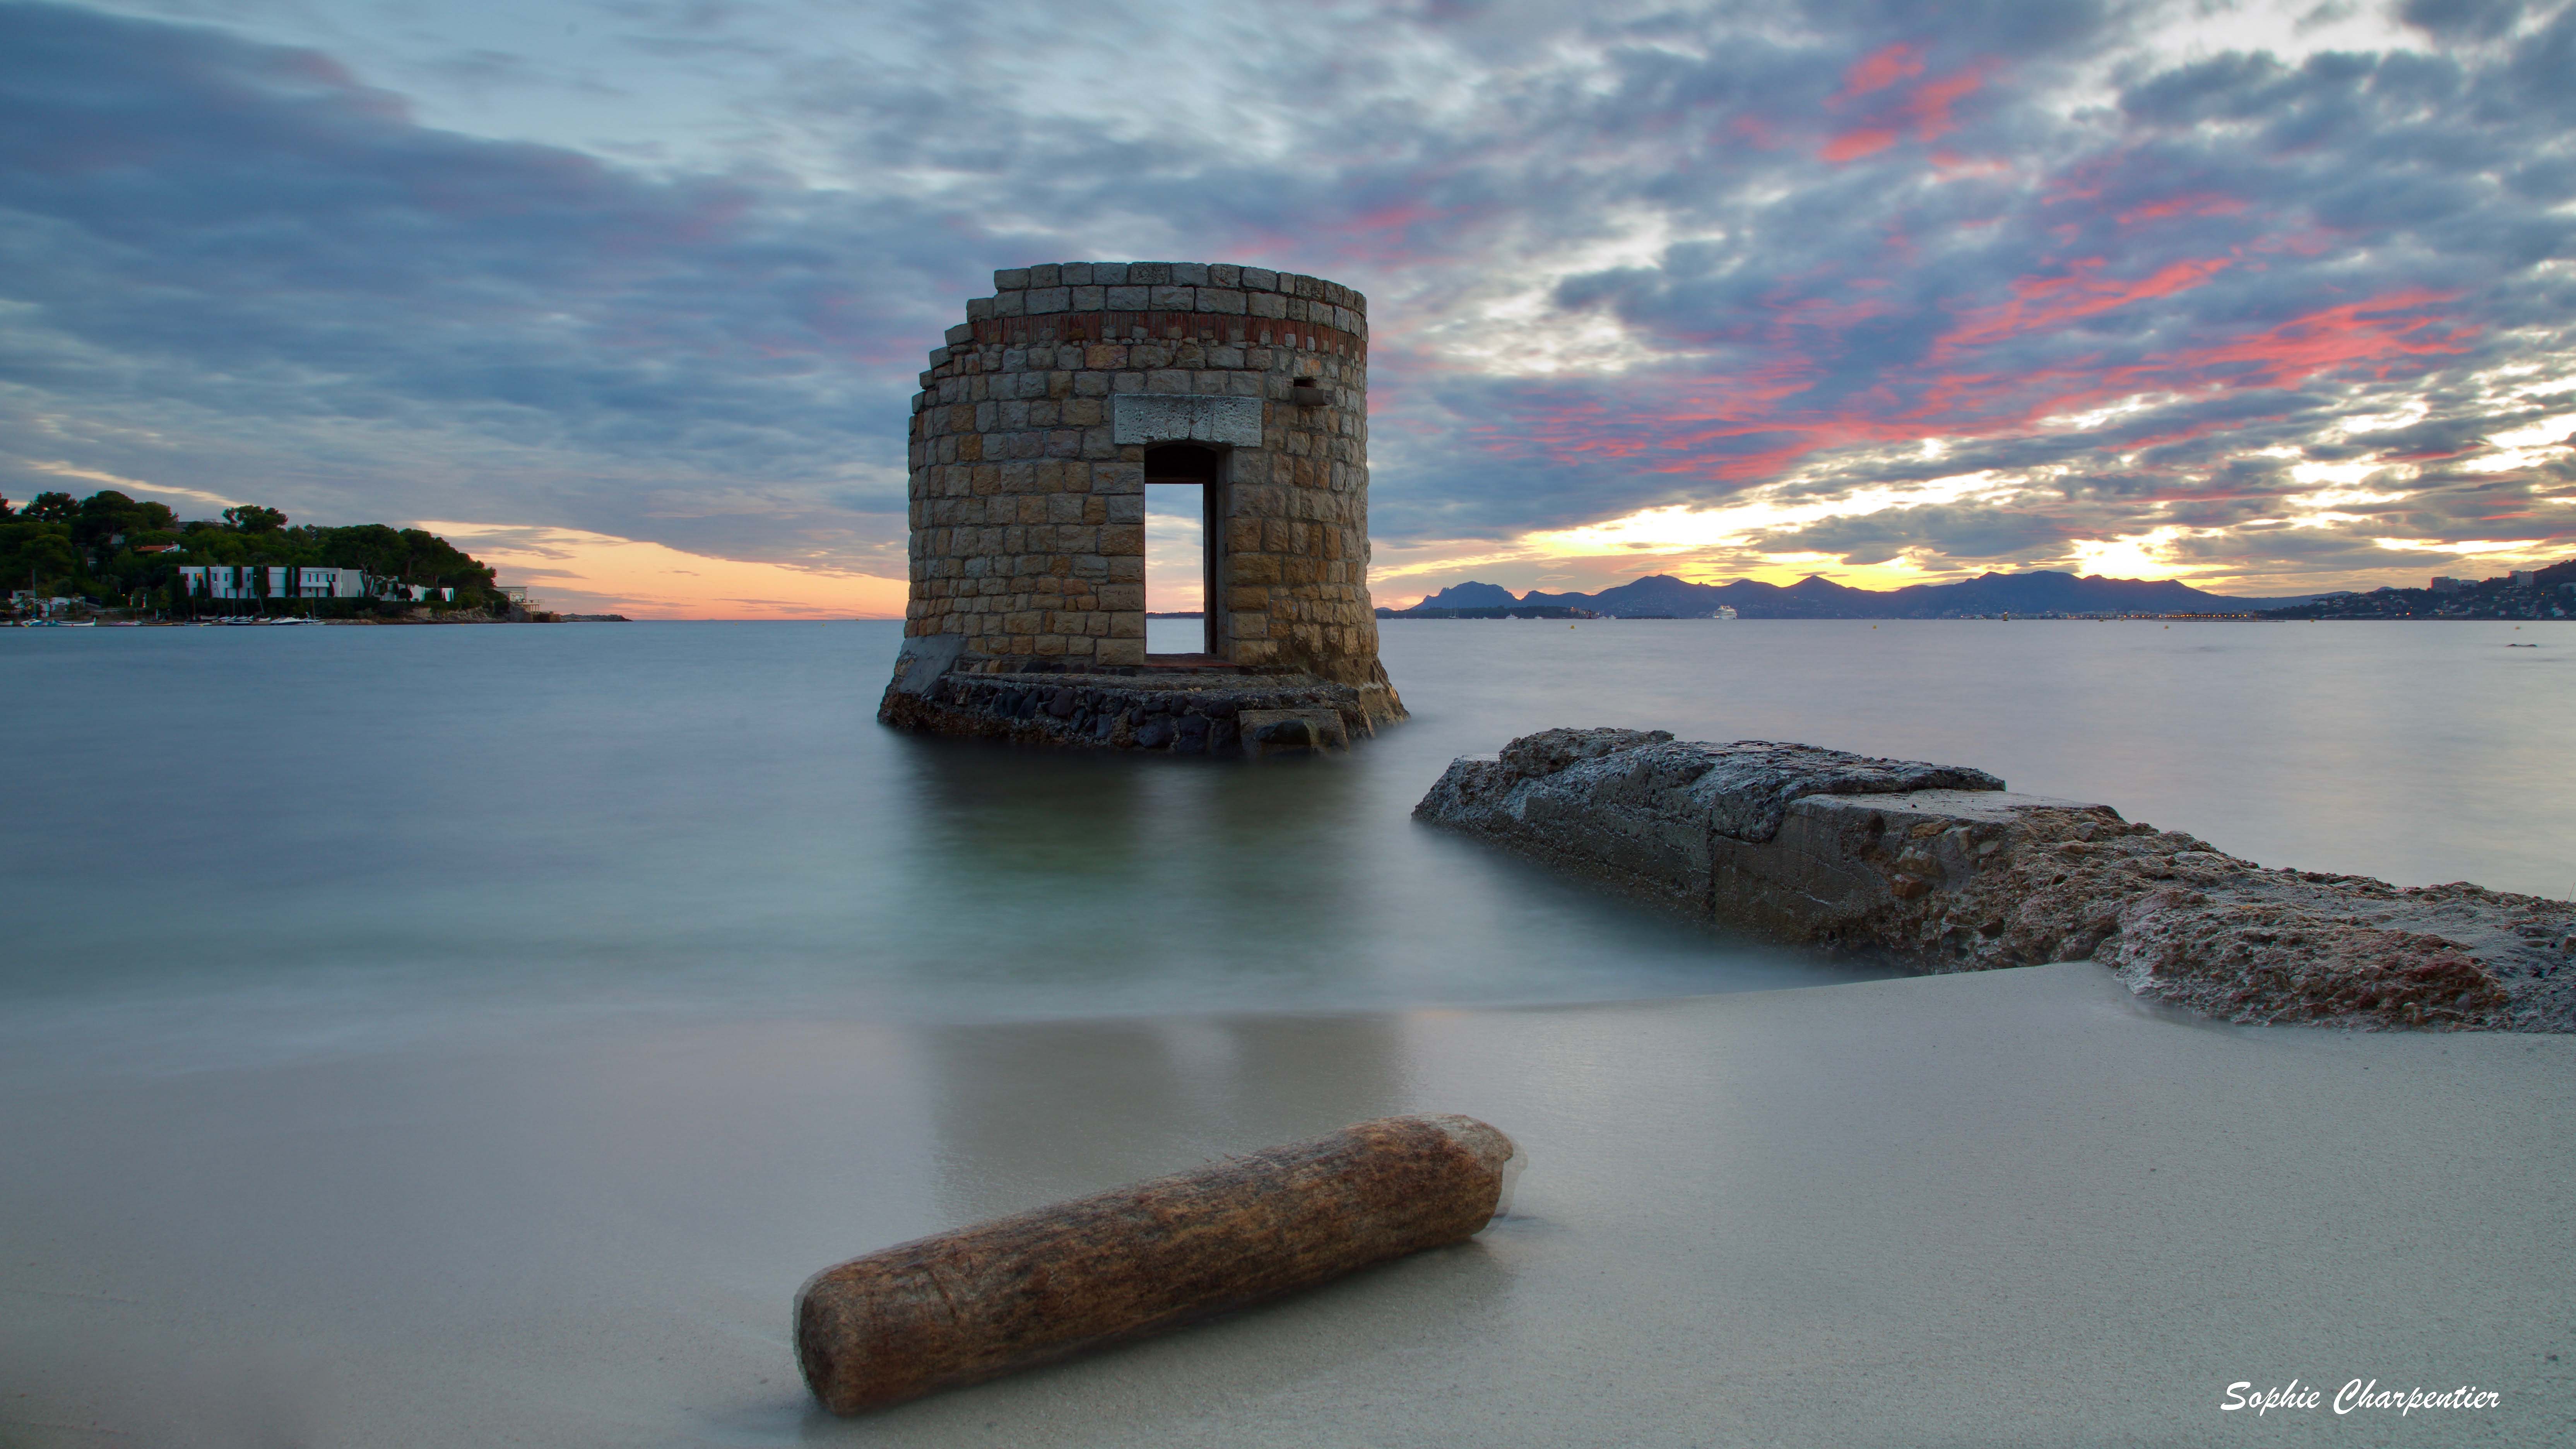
x=2007 y=1208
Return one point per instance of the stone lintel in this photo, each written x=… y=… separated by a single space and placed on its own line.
x=1184 y=418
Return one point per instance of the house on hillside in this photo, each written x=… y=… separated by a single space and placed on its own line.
x=242 y=581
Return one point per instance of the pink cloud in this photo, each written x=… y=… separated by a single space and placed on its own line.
x=1880 y=69
x=2042 y=303
x=1923 y=111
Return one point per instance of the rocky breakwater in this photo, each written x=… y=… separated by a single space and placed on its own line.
x=1943 y=869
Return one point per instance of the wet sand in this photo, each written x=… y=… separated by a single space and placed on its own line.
x=2007 y=1208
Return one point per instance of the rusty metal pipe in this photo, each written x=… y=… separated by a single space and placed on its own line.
x=1004 y=1295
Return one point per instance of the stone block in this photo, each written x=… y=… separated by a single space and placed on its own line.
x=1221 y=301
x=1190 y=274
x=1146 y=274
x=1010 y=279
x=1184 y=417
x=1089 y=299
x=1176 y=299
x=1046 y=276
x=1109 y=274
x=1009 y=304
x=1043 y=300
x=1266 y=304
x=1129 y=299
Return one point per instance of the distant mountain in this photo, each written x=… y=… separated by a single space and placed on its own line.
x=1469 y=595
x=1816 y=597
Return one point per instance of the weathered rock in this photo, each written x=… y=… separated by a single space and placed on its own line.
x=1944 y=870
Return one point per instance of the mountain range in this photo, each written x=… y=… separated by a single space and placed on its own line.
x=1816 y=597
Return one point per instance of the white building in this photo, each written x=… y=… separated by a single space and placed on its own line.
x=228 y=581
x=330 y=584
x=241 y=581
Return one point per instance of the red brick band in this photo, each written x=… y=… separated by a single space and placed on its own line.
x=1163 y=327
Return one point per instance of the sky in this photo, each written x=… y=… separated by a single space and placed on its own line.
x=629 y=297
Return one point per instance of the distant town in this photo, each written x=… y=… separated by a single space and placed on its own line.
x=108 y=558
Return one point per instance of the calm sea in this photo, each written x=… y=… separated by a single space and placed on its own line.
x=321 y=834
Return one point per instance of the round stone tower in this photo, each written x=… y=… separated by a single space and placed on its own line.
x=1062 y=396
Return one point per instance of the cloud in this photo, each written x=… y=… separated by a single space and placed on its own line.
x=1755 y=276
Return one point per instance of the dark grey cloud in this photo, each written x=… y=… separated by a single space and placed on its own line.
x=244 y=267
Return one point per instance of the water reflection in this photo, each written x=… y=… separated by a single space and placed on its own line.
x=1055 y=868
x=1024 y=1116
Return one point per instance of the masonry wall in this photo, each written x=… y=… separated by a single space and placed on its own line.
x=1028 y=511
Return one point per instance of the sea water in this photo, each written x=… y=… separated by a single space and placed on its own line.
x=345 y=832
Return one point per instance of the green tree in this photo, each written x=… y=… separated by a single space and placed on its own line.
x=251 y=518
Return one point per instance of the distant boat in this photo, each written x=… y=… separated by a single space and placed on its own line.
x=1724 y=611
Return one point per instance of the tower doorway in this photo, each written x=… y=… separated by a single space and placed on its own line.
x=1184 y=547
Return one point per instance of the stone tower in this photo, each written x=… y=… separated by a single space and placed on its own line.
x=1037 y=428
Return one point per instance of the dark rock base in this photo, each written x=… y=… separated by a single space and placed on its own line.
x=1170 y=711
